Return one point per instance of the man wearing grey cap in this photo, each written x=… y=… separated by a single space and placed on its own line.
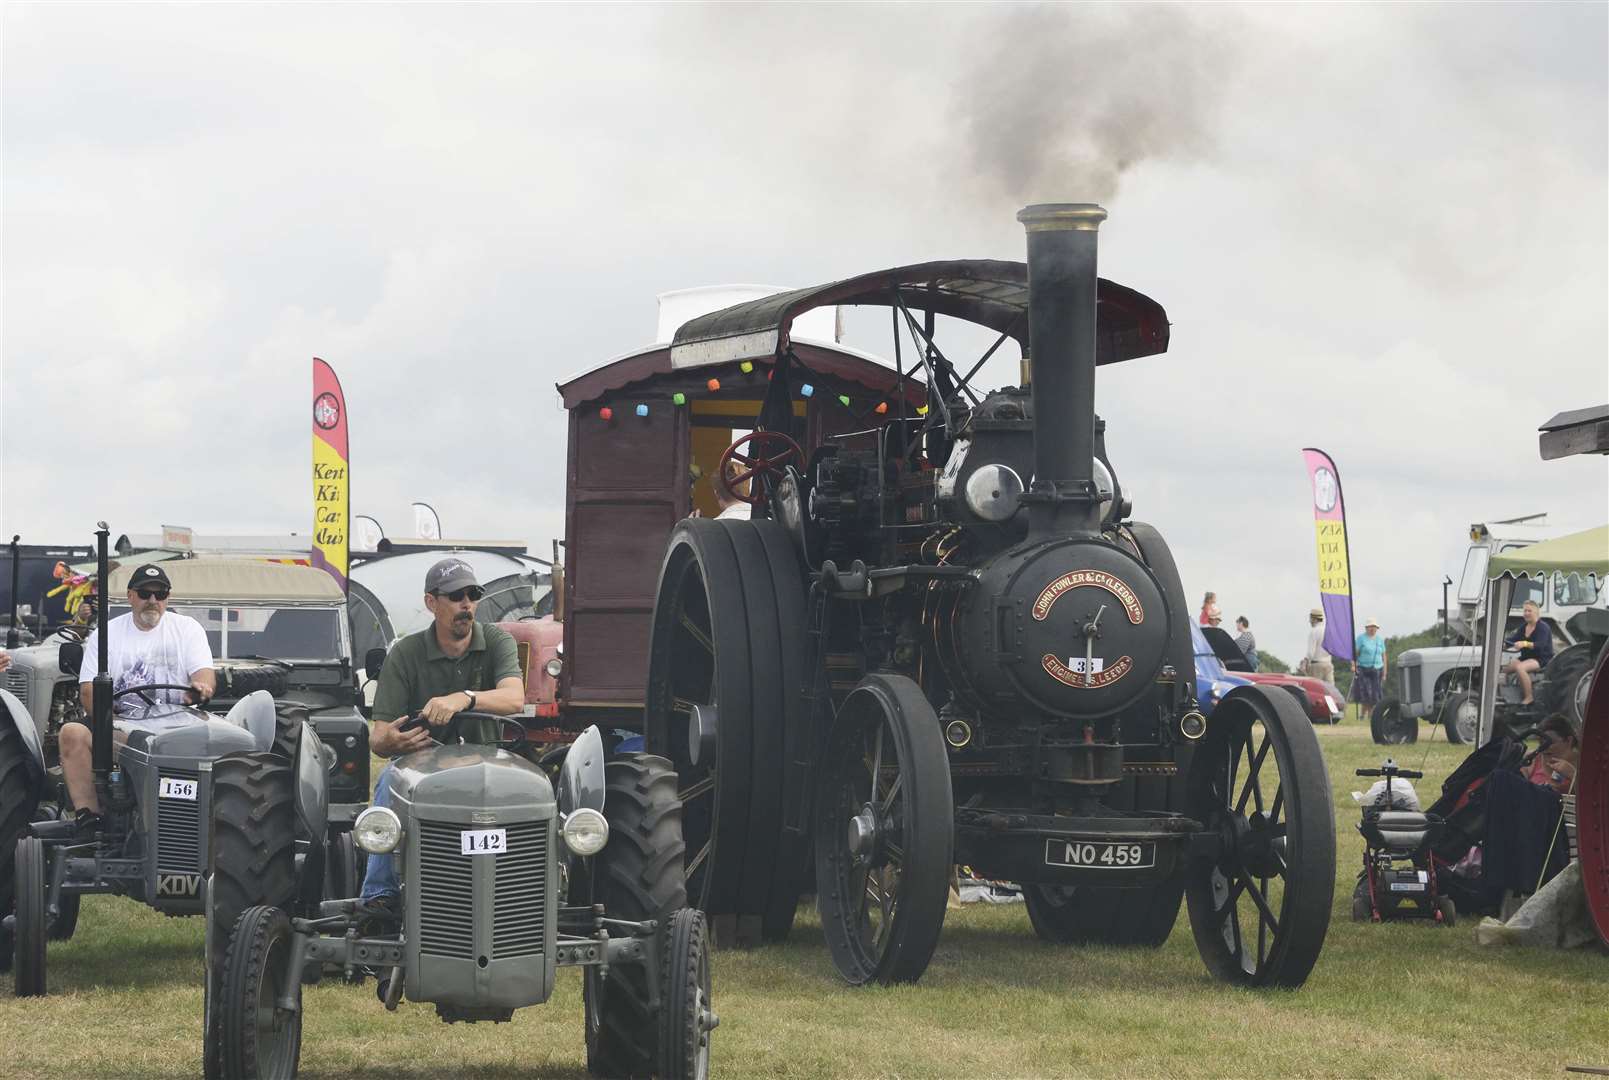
x=453 y=665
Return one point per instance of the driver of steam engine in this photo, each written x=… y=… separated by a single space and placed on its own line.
x=451 y=666
x=149 y=644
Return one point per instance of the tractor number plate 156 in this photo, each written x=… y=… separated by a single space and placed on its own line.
x=174 y=787
x=483 y=841
x=1098 y=855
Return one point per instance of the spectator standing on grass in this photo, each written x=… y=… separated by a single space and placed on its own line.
x=1316 y=662
x=1210 y=609
x=1245 y=642
x=1368 y=666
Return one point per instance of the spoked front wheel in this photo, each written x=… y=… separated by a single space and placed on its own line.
x=884 y=833
x=1260 y=908
x=260 y=1040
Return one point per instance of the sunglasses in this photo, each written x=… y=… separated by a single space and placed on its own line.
x=151 y=594
x=474 y=592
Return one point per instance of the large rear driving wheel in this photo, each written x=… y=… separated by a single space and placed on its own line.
x=885 y=833
x=723 y=704
x=1260 y=908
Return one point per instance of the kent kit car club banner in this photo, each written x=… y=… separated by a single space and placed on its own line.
x=331 y=474
x=1334 y=562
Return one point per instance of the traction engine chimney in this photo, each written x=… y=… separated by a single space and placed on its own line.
x=1062 y=238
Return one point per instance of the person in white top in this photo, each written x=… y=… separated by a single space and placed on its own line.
x=147 y=645
x=729 y=502
x=1317 y=662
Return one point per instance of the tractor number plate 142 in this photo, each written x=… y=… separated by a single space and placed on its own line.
x=482 y=841
x=1098 y=855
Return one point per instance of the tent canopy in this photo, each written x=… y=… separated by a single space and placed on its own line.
x=1578 y=553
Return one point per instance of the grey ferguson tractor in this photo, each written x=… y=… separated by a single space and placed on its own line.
x=504 y=880
x=156 y=794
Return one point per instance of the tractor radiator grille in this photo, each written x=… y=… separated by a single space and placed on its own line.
x=17 y=683
x=446 y=892
x=178 y=843
x=1412 y=683
x=519 y=922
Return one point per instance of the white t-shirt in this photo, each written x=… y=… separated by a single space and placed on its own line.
x=741 y=511
x=1315 y=645
x=170 y=653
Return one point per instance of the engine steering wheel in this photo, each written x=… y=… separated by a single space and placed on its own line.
x=770 y=452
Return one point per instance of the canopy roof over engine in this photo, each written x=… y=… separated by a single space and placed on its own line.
x=983 y=291
x=1583 y=553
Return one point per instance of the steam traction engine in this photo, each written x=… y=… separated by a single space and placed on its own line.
x=942 y=640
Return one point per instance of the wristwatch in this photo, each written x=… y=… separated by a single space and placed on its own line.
x=471 y=695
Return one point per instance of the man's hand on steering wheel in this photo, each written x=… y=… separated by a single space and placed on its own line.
x=439 y=710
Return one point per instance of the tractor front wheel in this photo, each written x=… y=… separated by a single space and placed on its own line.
x=18 y=799
x=1460 y=715
x=636 y=877
x=259 y=1040
x=1391 y=726
x=32 y=928
x=251 y=861
x=686 y=1016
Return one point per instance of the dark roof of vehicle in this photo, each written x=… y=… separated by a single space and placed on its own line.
x=984 y=291
x=1576 y=416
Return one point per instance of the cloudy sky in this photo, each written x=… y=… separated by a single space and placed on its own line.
x=1377 y=230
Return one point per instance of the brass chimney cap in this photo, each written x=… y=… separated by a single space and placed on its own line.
x=1059 y=217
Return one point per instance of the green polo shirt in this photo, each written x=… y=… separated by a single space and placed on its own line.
x=416 y=670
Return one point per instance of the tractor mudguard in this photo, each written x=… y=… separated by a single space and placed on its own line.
x=18 y=715
x=312 y=781
x=581 y=781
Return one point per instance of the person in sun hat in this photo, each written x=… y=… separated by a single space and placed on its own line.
x=1368 y=666
x=1316 y=662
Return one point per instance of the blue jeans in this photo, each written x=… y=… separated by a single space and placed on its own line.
x=381 y=877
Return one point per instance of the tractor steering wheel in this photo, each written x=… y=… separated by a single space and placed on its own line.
x=450 y=732
x=770 y=452
x=141 y=690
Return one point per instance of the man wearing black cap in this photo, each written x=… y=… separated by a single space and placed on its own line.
x=147 y=645
x=451 y=666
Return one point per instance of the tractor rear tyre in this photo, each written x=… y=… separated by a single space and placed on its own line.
x=885 y=833
x=1260 y=907
x=1390 y=726
x=259 y=1041
x=1460 y=715
x=251 y=861
x=686 y=1017
x=18 y=801
x=1567 y=676
x=637 y=876
x=1092 y=915
x=32 y=928
x=724 y=705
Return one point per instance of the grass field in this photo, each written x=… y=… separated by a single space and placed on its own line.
x=1392 y=1000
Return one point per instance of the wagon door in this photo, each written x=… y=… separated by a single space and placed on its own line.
x=628 y=485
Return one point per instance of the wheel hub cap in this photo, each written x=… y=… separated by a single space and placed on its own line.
x=863 y=833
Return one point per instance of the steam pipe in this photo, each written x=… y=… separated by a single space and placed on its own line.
x=101 y=694
x=1062 y=239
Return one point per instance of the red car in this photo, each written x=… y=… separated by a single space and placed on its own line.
x=1321 y=701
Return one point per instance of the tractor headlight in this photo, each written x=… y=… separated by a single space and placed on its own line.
x=585 y=831
x=377 y=830
x=554 y=666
